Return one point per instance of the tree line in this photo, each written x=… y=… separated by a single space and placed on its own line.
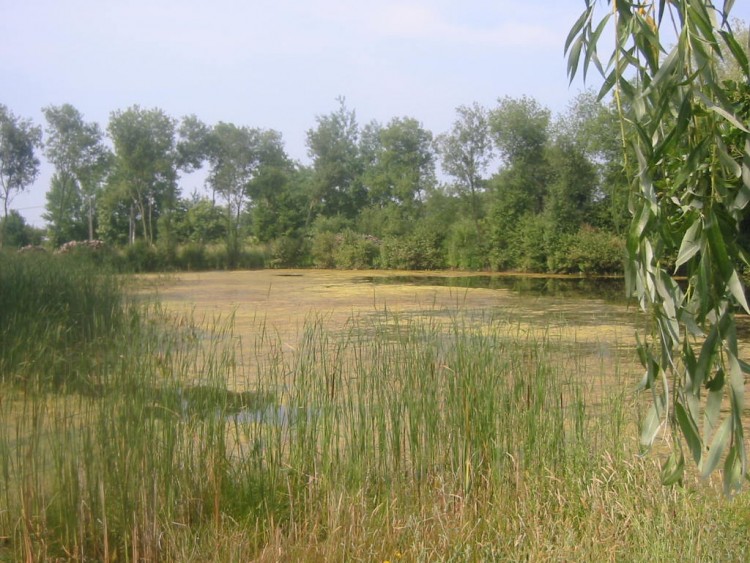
x=521 y=189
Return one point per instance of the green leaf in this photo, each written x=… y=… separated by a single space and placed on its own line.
x=667 y=67
x=725 y=113
x=713 y=404
x=578 y=26
x=725 y=158
x=733 y=472
x=746 y=164
x=715 y=451
x=728 y=273
x=673 y=470
x=737 y=51
x=698 y=16
x=652 y=423
x=573 y=58
x=690 y=243
x=690 y=431
x=727 y=8
x=593 y=40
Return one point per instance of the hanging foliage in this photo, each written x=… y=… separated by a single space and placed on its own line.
x=687 y=149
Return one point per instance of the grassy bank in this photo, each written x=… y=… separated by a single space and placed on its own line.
x=390 y=438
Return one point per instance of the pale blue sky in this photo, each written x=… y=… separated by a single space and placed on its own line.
x=279 y=63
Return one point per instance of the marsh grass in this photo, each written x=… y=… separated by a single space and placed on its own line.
x=392 y=437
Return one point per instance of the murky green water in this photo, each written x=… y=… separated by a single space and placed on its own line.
x=608 y=289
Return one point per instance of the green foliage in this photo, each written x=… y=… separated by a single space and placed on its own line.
x=401 y=164
x=199 y=220
x=144 y=173
x=690 y=190
x=19 y=166
x=289 y=252
x=142 y=257
x=420 y=250
x=467 y=151
x=17 y=232
x=81 y=162
x=323 y=249
x=588 y=251
x=192 y=257
x=346 y=250
x=354 y=251
x=65 y=216
x=336 y=186
x=465 y=247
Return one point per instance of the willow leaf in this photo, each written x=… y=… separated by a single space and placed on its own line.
x=690 y=431
x=715 y=451
x=739 y=54
x=577 y=27
x=722 y=112
x=726 y=269
x=691 y=244
x=573 y=58
x=726 y=159
x=713 y=404
x=652 y=423
x=733 y=472
x=673 y=469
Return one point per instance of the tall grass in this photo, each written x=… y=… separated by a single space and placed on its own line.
x=390 y=438
x=56 y=314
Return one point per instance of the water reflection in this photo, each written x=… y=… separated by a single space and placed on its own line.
x=609 y=289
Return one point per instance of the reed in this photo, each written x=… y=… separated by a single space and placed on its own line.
x=391 y=438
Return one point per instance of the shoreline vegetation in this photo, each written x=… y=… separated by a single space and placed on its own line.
x=165 y=429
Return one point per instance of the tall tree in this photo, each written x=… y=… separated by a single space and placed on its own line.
x=237 y=155
x=690 y=190
x=520 y=129
x=77 y=151
x=403 y=168
x=571 y=186
x=594 y=127
x=333 y=146
x=466 y=152
x=65 y=211
x=145 y=165
x=19 y=166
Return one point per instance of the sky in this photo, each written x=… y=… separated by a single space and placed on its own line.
x=280 y=63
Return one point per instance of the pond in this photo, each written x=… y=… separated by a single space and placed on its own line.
x=609 y=289
x=589 y=320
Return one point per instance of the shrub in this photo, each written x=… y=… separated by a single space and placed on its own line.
x=289 y=252
x=465 y=247
x=422 y=250
x=355 y=251
x=589 y=251
x=142 y=257
x=323 y=248
x=192 y=256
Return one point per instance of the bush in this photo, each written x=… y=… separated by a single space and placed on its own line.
x=465 y=247
x=323 y=249
x=142 y=257
x=289 y=252
x=419 y=251
x=192 y=257
x=589 y=251
x=354 y=251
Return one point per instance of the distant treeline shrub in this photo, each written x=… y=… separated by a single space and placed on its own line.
x=528 y=245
